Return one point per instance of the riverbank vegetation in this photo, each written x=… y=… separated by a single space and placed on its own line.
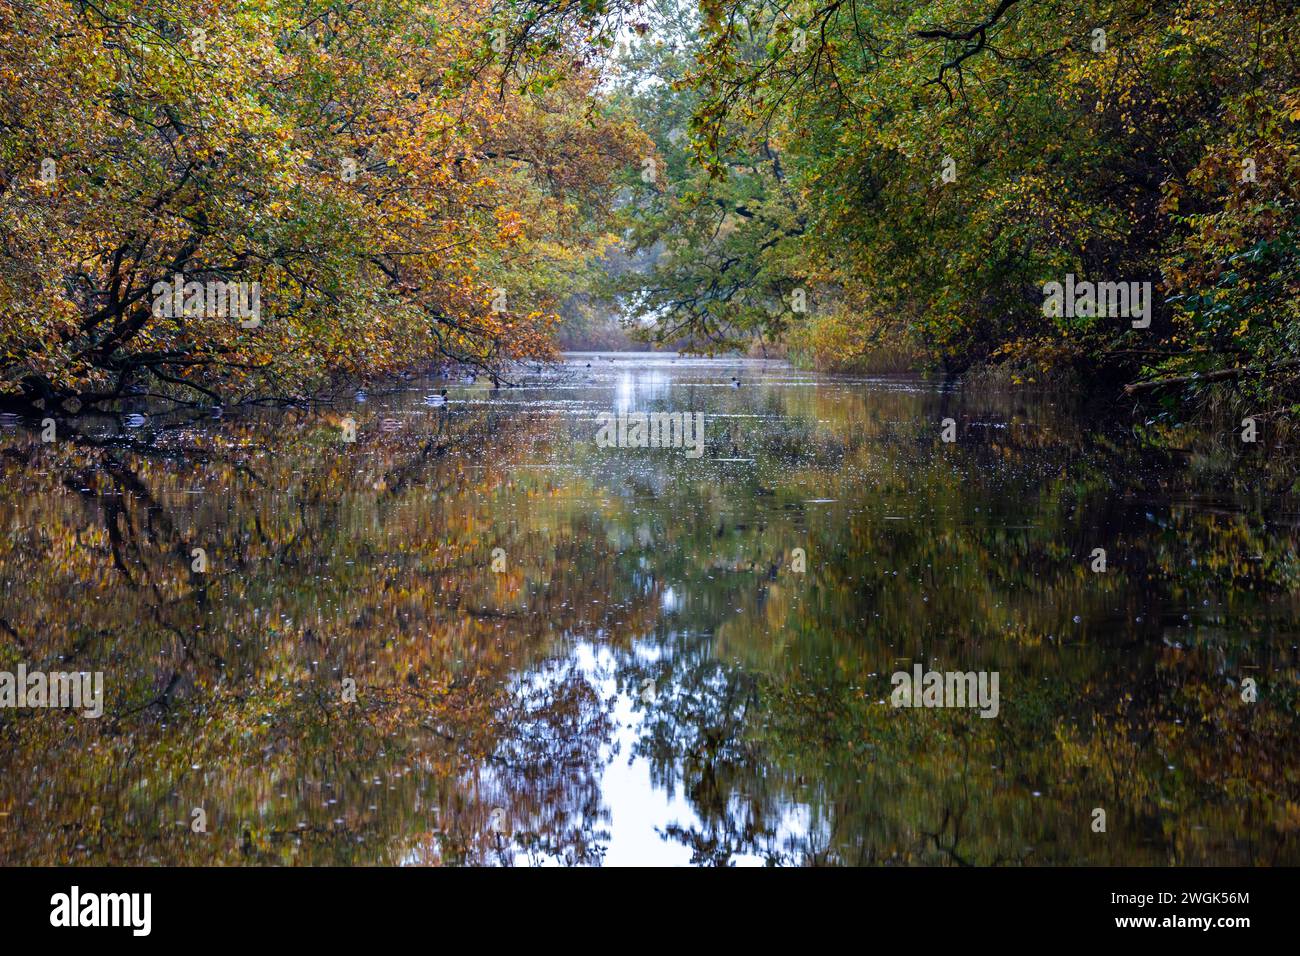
x=857 y=185
x=394 y=185
x=884 y=184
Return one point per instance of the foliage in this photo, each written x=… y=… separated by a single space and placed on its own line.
x=923 y=169
x=398 y=193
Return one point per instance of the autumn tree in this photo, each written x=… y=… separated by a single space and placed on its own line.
x=397 y=191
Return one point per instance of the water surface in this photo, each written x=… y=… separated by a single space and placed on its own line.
x=564 y=653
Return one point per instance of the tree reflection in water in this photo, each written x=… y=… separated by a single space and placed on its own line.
x=482 y=732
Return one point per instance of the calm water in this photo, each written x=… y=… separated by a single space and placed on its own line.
x=564 y=653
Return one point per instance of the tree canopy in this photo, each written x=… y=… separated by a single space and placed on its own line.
x=860 y=183
x=884 y=182
x=395 y=187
